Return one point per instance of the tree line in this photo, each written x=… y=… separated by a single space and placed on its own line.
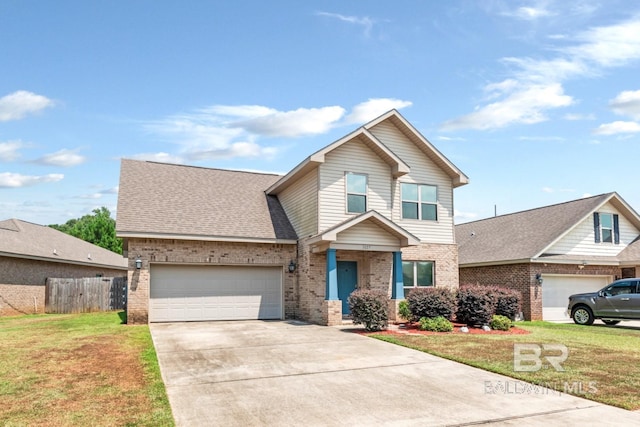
x=97 y=228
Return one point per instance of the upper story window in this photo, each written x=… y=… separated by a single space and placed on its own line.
x=606 y=228
x=356 y=192
x=419 y=201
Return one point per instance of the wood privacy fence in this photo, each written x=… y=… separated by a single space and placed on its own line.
x=85 y=295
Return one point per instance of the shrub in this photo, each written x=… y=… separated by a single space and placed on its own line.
x=435 y=324
x=476 y=305
x=369 y=308
x=432 y=302
x=501 y=323
x=404 y=312
x=508 y=302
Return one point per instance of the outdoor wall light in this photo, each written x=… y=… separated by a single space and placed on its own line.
x=292 y=266
x=138 y=263
x=539 y=279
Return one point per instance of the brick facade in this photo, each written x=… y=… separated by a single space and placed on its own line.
x=522 y=277
x=22 y=282
x=445 y=258
x=202 y=253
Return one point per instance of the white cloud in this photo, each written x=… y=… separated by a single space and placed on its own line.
x=374 y=107
x=463 y=216
x=365 y=22
x=303 y=121
x=577 y=116
x=528 y=13
x=160 y=157
x=524 y=106
x=557 y=190
x=627 y=103
x=617 y=127
x=19 y=104
x=593 y=51
x=16 y=180
x=64 y=158
x=236 y=149
x=9 y=150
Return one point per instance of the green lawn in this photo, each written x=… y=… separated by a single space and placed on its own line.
x=79 y=369
x=603 y=363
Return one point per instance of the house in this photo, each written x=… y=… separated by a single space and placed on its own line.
x=373 y=210
x=552 y=252
x=30 y=253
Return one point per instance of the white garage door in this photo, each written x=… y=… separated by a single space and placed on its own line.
x=556 y=291
x=192 y=293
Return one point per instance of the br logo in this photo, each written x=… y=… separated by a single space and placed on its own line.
x=530 y=357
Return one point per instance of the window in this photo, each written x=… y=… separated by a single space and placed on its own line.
x=417 y=273
x=356 y=192
x=622 y=288
x=419 y=201
x=606 y=228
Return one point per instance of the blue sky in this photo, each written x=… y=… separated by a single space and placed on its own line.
x=538 y=102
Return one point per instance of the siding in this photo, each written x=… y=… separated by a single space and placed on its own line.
x=356 y=157
x=581 y=240
x=423 y=171
x=300 y=203
x=366 y=233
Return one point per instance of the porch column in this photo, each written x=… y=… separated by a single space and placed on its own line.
x=332 y=276
x=397 y=290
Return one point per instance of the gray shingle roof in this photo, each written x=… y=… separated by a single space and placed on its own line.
x=167 y=199
x=521 y=235
x=23 y=239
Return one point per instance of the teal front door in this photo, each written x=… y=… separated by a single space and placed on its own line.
x=347 y=280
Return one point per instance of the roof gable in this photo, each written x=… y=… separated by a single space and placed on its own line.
x=398 y=166
x=523 y=235
x=175 y=201
x=23 y=239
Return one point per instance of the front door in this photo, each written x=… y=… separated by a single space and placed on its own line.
x=347 y=280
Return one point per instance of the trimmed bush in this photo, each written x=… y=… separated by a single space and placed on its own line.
x=369 y=308
x=509 y=302
x=501 y=323
x=476 y=305
x=432 y=302
x=435 y=324
x=404 y=311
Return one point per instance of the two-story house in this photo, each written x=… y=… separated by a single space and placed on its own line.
x=552 y=252
x=373 y=209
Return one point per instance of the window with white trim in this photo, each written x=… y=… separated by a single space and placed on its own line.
x=356 y=192
x=606 y=228
x=419 y=201
x=417 y=274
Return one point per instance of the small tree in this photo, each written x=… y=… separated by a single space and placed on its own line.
x=99 y=229
x=369 y=308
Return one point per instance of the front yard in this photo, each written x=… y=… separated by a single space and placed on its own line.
x=79 y=369
x=603 y=363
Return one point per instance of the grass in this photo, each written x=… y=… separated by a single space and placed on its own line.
x=79 y=369
x=603 y=363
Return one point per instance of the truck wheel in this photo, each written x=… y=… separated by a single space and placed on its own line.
x=582 y=316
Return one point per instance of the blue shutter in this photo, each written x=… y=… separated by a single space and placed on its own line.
x=596 y=226
x=616 y=229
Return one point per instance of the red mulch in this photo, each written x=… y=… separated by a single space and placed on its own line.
x=413 y=328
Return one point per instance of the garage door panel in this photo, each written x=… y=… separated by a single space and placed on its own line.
x=191 y=293
x=557 y=289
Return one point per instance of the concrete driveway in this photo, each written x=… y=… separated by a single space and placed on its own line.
x=281 y=373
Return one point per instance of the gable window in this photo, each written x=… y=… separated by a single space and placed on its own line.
x=356 y=192
x=417 y=273
x=606 y=228
x=419 y=201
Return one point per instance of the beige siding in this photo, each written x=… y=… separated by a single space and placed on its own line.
x=423 y=171
x=355 y=157
x=581 y=240
x=300 y=202
x=366 y=233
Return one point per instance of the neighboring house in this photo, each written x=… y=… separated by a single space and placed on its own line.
x=373 y=210
x=552 y=252
x=31 y=253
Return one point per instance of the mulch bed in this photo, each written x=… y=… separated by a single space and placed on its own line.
x=413 y=329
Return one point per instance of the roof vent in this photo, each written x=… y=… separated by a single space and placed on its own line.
x=55 y=252
x=88 y=256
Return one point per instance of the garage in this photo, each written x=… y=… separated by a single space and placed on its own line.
x=198 y=293
x=557 y=288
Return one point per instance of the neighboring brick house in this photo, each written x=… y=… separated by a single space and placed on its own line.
x=552 y=252
x=31 y=253
x=373 y=209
